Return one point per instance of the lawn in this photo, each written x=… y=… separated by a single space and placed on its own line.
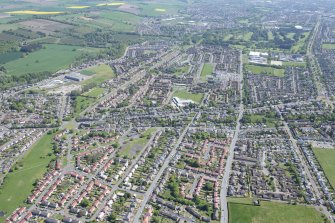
x=326 y=158
x=188 y=96
x=301 y=44
x=258 y=118
x=95 y=92
x=206 y=71
x=241 y=210
x=328 y=46
x=271 y=71
x=19 y=184
x=51 y=58
x=294 y=64
x=99 y=73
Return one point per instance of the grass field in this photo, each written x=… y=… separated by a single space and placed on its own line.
x=206 y=71
x=100 y=74
x=255 y=118
x=326 y=158
x=51 y=58
x=241 y=210
x=19 y=184
x=255 y=69
x=95 y=92
x=294 y=64
x=121 y=21
x=301 y=44
x=328 y=46
x=188 y=96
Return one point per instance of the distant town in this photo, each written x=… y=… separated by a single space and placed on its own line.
x=178 y=111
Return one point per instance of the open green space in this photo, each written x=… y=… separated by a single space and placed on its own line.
x=269 y=120
x=19 y=183
x=301 y=45
x=51 y=58
x=328 y=46
x=7 y=57
x=207 y=70
x=183 y=94
x=100 y=74
x=141 y=141
x=241 y=210
x=294 y=64
x=326 y=158
x=266 y=70
x=94 y=93
x=81 y=103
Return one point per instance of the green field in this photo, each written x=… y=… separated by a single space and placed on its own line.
x=241 y=210
x=19 y=183
x=81 y=103
x=266 y=70
x=294 y=64
x=51 y=58
x=206 y=71
x=142 y=141
x=188 y=96
x=257 y=118
x=328 y=46
x=122 y=21
x=100 y=74
x=326 y=158
x=301 y=44
x=95 y=92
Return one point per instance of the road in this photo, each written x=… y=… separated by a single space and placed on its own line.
x=159 y=174
x=225 y=179
x=300 y=154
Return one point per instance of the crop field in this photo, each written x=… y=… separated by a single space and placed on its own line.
x=326 y=158
x=19 y=183
x=241 y=210
x=29 y=12
x=51 y=58
x=78 y=7
x=7 y=57
x=266 y=70
x=182 y=94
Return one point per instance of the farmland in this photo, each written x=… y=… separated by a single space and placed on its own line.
x=242 y=211
x=43 y=60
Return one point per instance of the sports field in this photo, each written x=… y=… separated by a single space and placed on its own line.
x=241 y=210
x=326 y=158
x=19 y=183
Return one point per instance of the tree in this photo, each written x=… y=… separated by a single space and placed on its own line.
x=84 y=203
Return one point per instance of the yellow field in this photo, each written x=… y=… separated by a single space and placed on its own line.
x=111 y=4
x=78 y=7
x=28 y=12
x=160 y=10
